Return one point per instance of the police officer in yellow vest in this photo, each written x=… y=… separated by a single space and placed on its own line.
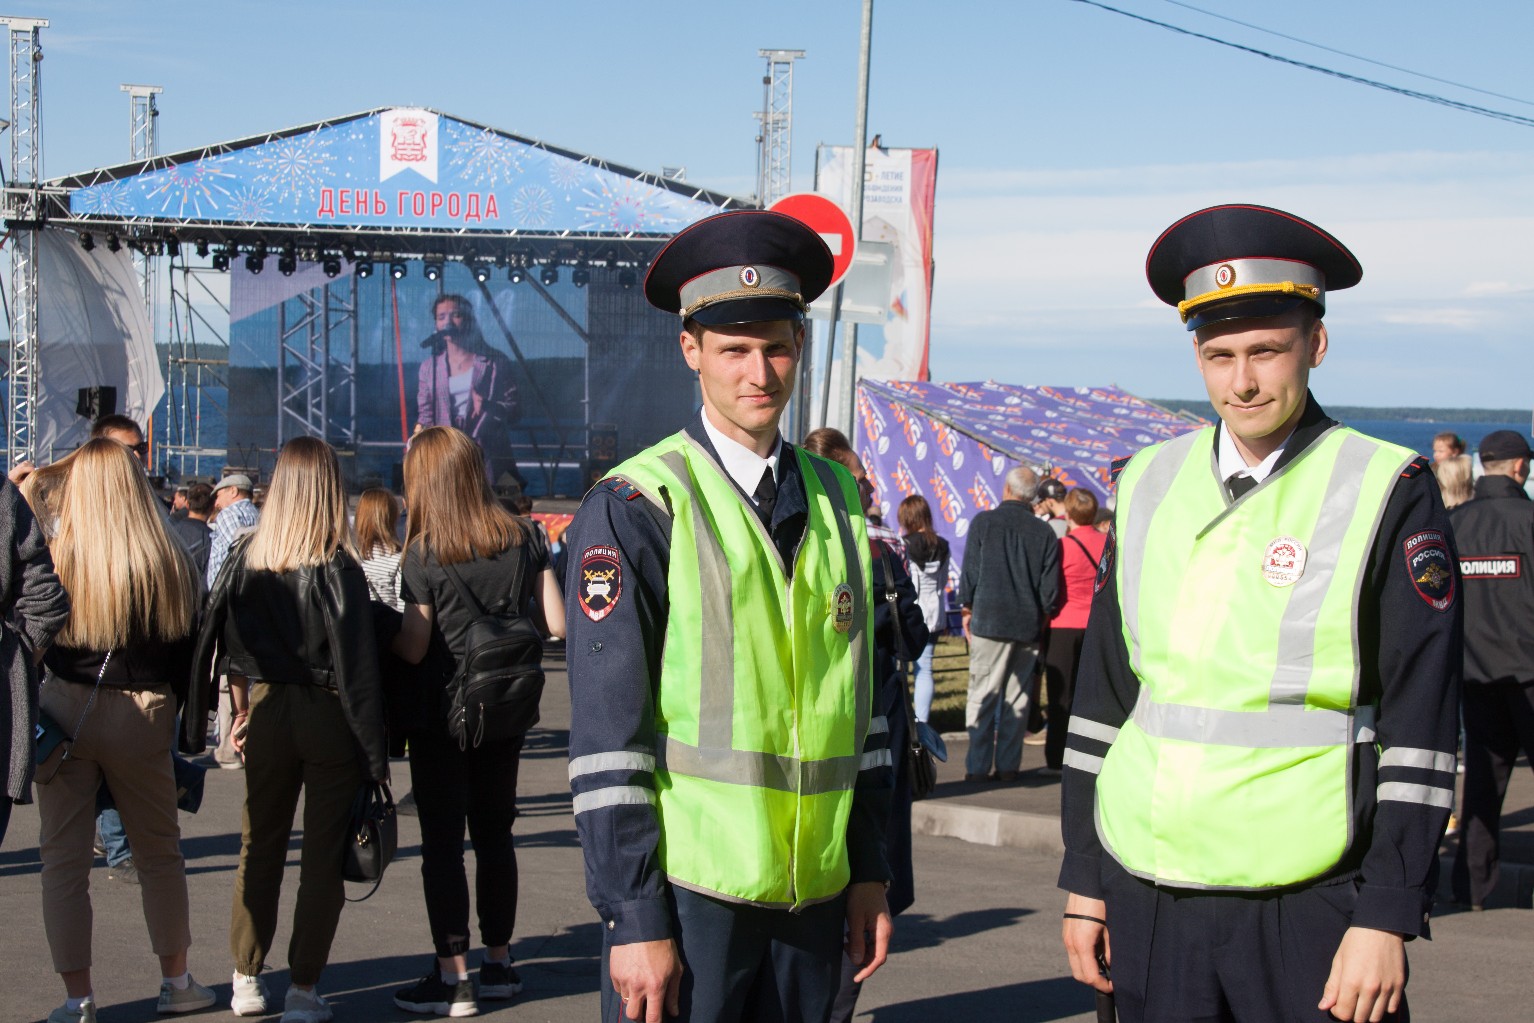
x=730 y=780
x=1260 y=758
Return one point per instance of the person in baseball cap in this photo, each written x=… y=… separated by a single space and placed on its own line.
x=1268 y=573
x=1503 y=446
x=723 y=589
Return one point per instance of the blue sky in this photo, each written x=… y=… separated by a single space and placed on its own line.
x=1069 y=138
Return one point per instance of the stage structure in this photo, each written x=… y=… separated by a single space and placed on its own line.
x=336 y=240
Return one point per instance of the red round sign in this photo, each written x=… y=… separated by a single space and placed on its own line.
x=826 y=219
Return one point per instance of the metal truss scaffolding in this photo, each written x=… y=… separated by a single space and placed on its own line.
x=196 y=364
x=317 y=365
x=774 y=161
x=23 y=214
x=142 y=113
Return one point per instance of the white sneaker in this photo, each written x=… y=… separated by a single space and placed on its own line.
x=249 y=997
x=300 y=1006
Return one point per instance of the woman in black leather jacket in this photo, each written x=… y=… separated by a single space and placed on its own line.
x=289 y=612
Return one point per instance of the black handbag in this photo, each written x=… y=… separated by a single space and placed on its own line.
x=53 y=745
x=372 y=838
x=921 y=772
x=499 y=683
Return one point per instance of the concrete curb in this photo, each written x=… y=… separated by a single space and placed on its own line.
x=1013 y=829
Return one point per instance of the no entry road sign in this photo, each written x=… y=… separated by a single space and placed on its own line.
x=828 y=220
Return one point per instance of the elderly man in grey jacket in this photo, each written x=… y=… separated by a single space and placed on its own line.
x=1009 y=588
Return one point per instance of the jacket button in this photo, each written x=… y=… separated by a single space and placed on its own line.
x=611 y=924
x=596 y=647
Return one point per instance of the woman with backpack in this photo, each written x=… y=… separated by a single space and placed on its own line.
x=464 y=555
x=290 y=612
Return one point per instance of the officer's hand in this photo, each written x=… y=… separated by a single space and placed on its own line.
x=1368 y=976
x=1085 y=939
x=647 y=975
x=868 y=913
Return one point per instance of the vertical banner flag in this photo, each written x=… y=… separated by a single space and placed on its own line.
x=898 y=193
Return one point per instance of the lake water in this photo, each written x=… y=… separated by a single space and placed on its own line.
x=1418 y=435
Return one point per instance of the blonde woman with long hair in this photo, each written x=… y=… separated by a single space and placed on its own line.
x=456 y=527
x=114 y=675
x=291 y=614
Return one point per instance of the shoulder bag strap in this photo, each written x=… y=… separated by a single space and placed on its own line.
x=890 y=598
x=513 y=596
x=1078 y=543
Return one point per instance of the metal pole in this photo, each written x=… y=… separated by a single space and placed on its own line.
x=859 y=159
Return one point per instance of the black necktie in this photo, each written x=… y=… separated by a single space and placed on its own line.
x=766 y=495
x=1239 y=485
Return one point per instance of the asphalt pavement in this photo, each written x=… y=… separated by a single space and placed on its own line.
x=981 y=943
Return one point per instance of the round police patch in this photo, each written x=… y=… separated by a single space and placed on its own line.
x=601 y=581
x=1430 y=568
x=841 y=607
x=1284 y=561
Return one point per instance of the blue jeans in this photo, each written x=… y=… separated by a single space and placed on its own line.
x=110 y=826
x=924 y=681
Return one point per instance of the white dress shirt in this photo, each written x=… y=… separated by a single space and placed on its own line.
x=744 y=466
x=1232 y=464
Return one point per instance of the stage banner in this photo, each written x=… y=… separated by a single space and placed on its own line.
x=93 y=330
x=401 y=168
x=898 y=198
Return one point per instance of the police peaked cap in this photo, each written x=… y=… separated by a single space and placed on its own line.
x=1238 y=261
x=745 y=266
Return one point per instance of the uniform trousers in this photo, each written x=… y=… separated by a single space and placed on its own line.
x=298 y=741
x=1189 y=956
x=750 y=964
x=996 y=714
x=1499 y=720
x=124 y=738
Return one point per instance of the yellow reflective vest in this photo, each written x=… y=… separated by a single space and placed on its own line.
x=1240 y=620
x=765 y=689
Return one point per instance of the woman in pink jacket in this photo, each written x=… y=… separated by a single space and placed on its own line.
x=1081 y=551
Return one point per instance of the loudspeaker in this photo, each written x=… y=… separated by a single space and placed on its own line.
x=95 y=402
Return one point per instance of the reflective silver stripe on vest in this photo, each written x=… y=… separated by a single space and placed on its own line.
x=1426 y=759
x=613 y=795
x=875 y=758
x=1151 y=489
x=1089 y=729
x=860 y=674
x=1083 y=761
x=622 y=760
x=716 y=712
x=1279 y=727
x=1403 y=792
x=878 y=725
x=759 y=770
x=1297 y=628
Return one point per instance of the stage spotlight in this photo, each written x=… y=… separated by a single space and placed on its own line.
x=114 y=244
x=397 y=270
x=286 y=264
x=515 y=273
x=202 y=248
x=549 y=275
x=482 y=272
x=254 y=262
x=332 y=265
x=626 y=279
x=221 y=259
x=364 y=269
x=87 y=242
x=581 y=277
x=433 y=269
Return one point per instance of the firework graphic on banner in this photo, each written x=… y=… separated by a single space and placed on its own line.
x=532 y=206
x=250 y=204
x=112 y=197
x=566 y=175
x=623 y=204
x=486 y=158
x=296 y=167
x=186 y=189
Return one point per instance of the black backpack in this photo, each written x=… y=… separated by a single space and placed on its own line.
x=494 y=694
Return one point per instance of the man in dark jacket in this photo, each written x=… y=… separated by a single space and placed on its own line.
x=1009 y=588
x=1495 y=535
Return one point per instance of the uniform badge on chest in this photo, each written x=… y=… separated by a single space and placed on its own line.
x=841 y=607
x=1284 y=561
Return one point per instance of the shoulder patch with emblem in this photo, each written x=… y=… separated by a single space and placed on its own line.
x=1430 y=568
x=1418 y=466
x=1116 y=468
x=1105 y=563
x=619 y=486
x=601 y=582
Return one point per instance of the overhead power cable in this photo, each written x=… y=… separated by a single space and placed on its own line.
x=1426 y=97
x=1352 y=56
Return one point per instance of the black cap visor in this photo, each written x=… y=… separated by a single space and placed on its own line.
x=1250 y=307
x=749 y=310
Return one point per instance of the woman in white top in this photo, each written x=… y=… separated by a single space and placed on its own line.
x=927 y=558
x=378 y=542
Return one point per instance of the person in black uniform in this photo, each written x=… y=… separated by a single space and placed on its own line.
x=741 y=282
x=1495 y=534
x=1251 y=282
